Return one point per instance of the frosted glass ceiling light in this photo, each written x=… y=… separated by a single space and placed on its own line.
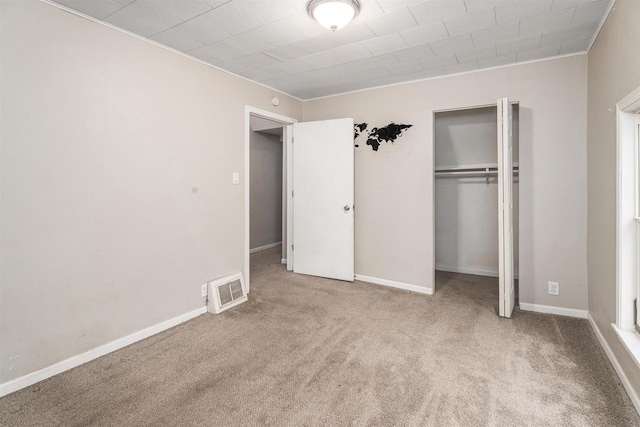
x=333 y=14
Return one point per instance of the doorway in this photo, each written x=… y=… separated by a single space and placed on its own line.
x=265 y=184
x=318 y=223
x=471 y=228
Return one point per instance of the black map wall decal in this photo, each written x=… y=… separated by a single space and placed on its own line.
x=358 y=128
x=376 y=136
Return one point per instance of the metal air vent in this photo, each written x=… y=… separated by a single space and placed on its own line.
x=227 y=292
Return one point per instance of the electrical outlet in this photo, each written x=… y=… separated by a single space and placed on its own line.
x=203 y=290
x=554 y=288
x=235 y=178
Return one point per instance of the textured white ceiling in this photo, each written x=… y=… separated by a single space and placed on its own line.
x=276 y=43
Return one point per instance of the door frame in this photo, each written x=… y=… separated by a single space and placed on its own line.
x=257 y=112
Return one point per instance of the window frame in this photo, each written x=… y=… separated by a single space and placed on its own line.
x=636 y=300
x=628 y=224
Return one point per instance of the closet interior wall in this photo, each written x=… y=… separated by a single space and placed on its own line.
x=266 y=188
x=466 y=206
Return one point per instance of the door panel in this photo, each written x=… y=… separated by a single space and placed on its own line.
x=323 y=198
x=505 y=207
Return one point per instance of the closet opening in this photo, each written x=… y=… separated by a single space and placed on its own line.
x=466 y=200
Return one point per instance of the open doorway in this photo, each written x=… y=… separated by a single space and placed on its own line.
x=318 y=223
x=468 y=228
x=265 y=186
x=266 y=181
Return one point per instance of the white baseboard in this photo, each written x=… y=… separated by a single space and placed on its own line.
x=283 y=261
x=474 y=271
x=616 y=365
x=549 y=309
x=72 y=362
x=393 y=284
x=265 y=247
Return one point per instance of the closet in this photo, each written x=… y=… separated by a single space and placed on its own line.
x=467 y=190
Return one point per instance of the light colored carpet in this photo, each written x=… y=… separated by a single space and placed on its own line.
x=311 y=351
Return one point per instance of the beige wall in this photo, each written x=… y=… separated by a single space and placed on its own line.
x=266 y=189
x=614 y=72
x=103 y=138
x=394 y=186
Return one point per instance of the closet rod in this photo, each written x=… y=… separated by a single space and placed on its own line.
x=472 y=172
x=483 y=170
x=479 y=167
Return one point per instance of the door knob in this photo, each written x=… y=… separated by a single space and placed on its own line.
x=346 y=207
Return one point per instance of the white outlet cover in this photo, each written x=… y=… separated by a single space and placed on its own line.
x=554 y=288
x=203 y=290
x=236 y=178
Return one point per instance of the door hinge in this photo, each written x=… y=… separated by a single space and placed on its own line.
x=293 y=248
x=293 y=193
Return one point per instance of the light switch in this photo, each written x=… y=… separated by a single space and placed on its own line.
x=236 y=178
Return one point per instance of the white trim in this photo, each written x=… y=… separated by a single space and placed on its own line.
x=625 y=209
x=515 y=64
x=265 y=247
x=549 y=309
x=472 y=271
x=248 y=112
x=616 y=365
x=601 y=24
x=283 y=261
x=394 y=284
x=77 y=360
x=631 y=341
x=283 y=194
x=631 y=102
x=113 y=27
x=432 y=217
x=288 y=252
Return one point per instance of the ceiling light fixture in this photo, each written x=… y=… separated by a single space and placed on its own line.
x=333 y=14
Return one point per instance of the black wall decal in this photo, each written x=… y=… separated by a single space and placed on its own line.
x=376 y=136
x=358 y=128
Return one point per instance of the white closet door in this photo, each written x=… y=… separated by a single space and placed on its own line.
x=505 y=207
x=323 y=196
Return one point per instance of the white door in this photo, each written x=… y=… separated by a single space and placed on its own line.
x=322 y=199
x=505 y=207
